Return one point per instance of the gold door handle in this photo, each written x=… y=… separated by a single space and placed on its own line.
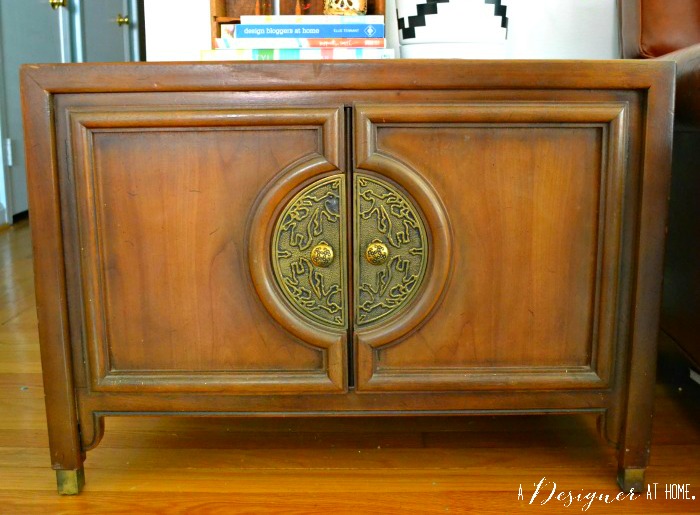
x=392 y=249
x=322 y=255
x=377 y=253
x=122 y=20
x=55 y=4
x=309 y=252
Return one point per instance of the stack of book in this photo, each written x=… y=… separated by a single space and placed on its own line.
x=290 y=37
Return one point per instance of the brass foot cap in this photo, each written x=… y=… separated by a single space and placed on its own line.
x=70 y=482
x=631 y=478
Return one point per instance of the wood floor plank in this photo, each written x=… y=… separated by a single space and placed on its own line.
x=320 y=459
x=388 y=503
x=362 y=480
x=390 y=465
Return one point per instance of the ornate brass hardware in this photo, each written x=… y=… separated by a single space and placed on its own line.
x=391 y=273
x=307 y=271
x=55 y=4
x=376 y=253
x=322 y=255
x=122 y=20
x=346 y=7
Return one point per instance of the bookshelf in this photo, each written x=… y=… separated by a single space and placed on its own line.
x=229 y=11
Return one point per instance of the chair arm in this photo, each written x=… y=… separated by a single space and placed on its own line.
x=687 y=85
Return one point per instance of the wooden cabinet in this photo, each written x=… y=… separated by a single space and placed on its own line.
x=348 y=238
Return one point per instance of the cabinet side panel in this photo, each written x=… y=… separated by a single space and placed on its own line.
x=49 y=275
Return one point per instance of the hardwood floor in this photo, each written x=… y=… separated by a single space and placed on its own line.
x=297 y=465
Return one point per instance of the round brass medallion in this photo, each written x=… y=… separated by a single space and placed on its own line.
x=377 y=253
x=322 y=255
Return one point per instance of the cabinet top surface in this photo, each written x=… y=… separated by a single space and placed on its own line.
x=349 y=75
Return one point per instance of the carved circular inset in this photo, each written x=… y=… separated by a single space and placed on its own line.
x=310 y=226
x=322 y=255
x=377 y=253
x=385 y=218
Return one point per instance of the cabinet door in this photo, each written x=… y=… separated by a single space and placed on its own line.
x=176 y=211
x=509 y=219
x=107 y=26
x=17 y=20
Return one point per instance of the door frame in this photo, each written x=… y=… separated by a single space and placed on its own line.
x=67 y=50
x=134 y=37
x=6 y=198
x=72 y=49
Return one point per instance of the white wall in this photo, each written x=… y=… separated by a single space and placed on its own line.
x=537 y=29
x=562 y=29
x=176 y=30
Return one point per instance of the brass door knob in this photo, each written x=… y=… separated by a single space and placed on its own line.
x=377 y=253
x=122 y=20
x=55 y=4
x=322 y=255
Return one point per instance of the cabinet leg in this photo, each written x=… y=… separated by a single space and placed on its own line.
x=70 y=482
x=631 y=478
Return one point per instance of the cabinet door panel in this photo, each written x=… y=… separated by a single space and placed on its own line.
x=533 y=196
x=165 y=205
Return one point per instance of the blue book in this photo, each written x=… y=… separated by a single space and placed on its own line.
x=309 y=19
x=345 y=30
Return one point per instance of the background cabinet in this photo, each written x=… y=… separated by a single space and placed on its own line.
x=335 y=238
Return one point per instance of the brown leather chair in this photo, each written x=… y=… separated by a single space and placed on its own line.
x=670 y=29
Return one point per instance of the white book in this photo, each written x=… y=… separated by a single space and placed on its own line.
x=300 y=43
x=295 y=54
x=309 y=19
